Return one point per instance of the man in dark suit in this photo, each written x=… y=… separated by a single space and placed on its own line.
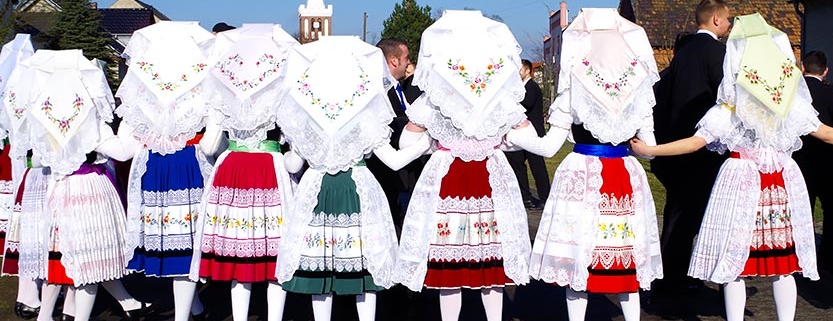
x=534 y=104
x=396 y=184
x=686 y=92
x=814 y=156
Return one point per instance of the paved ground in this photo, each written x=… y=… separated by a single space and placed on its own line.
x=533 y=302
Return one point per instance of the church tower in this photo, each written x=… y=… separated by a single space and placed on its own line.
x=316 y=20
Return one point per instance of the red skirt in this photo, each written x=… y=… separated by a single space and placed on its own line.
x=466 y=250
x=772 y=251
x=613 y=269
x=6 y=191
x=11 y=255
x=243 y=217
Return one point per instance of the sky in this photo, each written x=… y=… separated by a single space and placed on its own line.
x=527 y=19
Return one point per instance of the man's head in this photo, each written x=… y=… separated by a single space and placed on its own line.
x=814 y=63
x=220 y=27
x=526 y=69
x=396 y=55
x=713 y=15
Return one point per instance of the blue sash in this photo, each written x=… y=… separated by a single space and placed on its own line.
x=603 y=151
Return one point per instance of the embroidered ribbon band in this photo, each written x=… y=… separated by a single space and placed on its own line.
x=603 y=151
x=265 y=146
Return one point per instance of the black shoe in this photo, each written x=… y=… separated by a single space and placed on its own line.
x=533 y=204
x=25 y=312
x=66 y=317
x=138 y=314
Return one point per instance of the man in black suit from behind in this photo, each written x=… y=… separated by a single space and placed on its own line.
x=395 y=184
x=814 y=156
x=686 y=92
x=534 y=104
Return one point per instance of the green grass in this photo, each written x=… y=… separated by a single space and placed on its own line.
x=657 y=189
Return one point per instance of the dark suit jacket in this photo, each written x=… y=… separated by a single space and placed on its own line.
x=684 y=95
x=815 y=151
x=534 y=104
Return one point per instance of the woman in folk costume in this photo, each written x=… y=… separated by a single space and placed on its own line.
x=12 y=174
x=164 y=105
x=466 y=224
x=338 y=236
x=598 y=232
x=67 y=110
x=238 y=236
x=759 y=221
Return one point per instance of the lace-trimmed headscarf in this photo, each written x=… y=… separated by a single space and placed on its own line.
x=607 y=74
x=468 y=67
x=335 y=96
x=246 y=79
x=12 y=54
x=162 y=94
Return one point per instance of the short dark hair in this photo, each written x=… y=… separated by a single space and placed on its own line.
x=526 y=63
x=708 y=8
x=391 y=47
x=222 y=26
x=814 y=62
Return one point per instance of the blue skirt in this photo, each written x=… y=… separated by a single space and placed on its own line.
x=172 y=188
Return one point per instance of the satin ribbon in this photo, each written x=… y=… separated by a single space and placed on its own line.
x=603 y=151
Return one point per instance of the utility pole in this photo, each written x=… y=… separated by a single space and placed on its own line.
x=364 y=27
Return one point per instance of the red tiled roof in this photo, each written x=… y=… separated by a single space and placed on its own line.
x=664 y=19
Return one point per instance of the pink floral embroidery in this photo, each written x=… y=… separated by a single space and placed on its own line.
x=147 y=67
x=18 y=111
x=478 y=81
x=65 y=123
x=333 y=109
x=776 y=91
x=612 y=89
x=272 y=65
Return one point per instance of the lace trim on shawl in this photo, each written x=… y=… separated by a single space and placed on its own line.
x=364 y=133
x=246 y=121
x=442 y=96
x=164 y=129
x=423 y=113
x=68 y=159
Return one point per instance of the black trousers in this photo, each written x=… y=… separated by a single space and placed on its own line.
x=688 y=183
x=819 y=178
x=539 y=173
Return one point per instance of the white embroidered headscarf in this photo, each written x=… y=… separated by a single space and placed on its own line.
x=607 y=74
x=11 y=56
x=246 y=79
x=468 y=67
x=335 y=98
x=162 y=95
x=69 y=102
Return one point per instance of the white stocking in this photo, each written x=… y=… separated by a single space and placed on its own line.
x=49 y=295
x=366 y=306
x=493 y=303
x=84 y=301
x=576 y=304
x=322 y=307
x=734 y=297
x=785 y=293
x=630 y=306
x=27 y=292
x=275 y=300
x=69 y=301
x=184 y=291
x=450 y=304
x=117 y=290
x=240 y=295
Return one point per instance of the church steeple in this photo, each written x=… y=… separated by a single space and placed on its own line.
x=316 y=20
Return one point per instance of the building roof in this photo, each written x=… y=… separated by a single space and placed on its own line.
x=664 y=19
x=125 y=21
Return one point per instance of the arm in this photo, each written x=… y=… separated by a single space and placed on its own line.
x=293 y=162
x=825 y=133
x=527 y=138
x=122 y=147
x=679 y=147
x=396 y=159
x=411 y=135
x=213 y=139
x=646 y=133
